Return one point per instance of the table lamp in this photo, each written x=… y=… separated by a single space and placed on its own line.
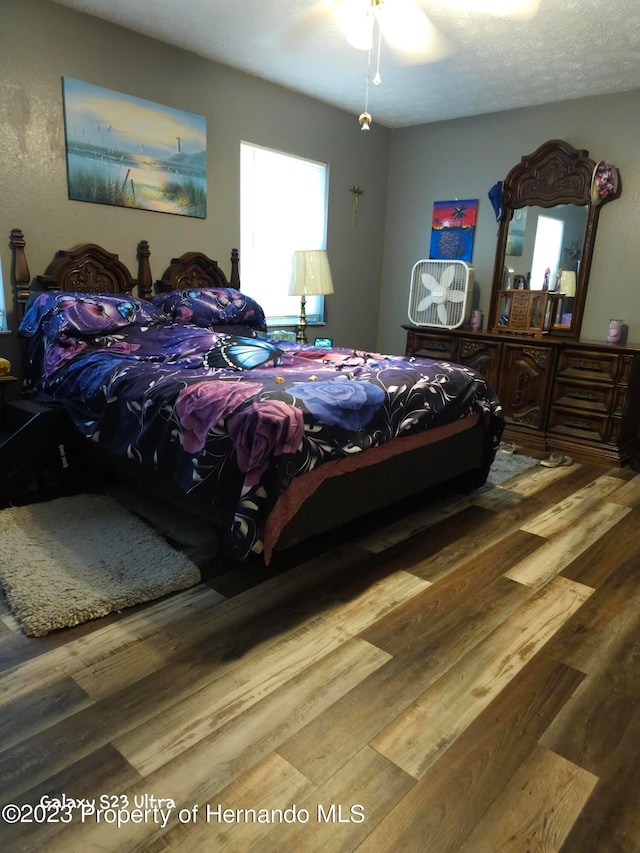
x=310 y=276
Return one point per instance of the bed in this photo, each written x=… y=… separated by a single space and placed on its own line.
x=181 y=387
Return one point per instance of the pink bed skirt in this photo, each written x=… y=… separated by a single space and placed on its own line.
x=301 y=488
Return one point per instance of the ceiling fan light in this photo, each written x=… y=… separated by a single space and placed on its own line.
x=404 y=25
x=355 y=20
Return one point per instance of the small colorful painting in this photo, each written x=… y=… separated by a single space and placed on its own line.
x=453 y=229
x=128 y=152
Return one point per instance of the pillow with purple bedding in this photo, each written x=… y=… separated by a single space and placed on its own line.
x=209 y=306
x=61 y=315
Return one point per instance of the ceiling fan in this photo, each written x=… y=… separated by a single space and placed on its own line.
x=402 y=23
x=408 y=29
x=405 y=25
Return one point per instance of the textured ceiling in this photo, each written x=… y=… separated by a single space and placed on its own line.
x=569 y=49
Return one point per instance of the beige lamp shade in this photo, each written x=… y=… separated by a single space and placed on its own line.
x=310 y=273
x=568 y=283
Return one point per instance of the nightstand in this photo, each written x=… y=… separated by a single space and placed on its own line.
x=39 y=452
x=5 y=381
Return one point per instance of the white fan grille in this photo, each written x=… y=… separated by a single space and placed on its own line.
x=440 y=293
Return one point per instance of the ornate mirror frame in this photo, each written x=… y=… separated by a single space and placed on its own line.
x=556 y=173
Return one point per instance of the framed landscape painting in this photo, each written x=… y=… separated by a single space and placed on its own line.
x=129 y=152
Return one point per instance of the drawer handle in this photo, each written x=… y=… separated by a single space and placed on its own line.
x=427 y=349
x=592 y=366
x=577 y=424
x=583 y=395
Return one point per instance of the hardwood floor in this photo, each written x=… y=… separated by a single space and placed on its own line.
x=463 y=677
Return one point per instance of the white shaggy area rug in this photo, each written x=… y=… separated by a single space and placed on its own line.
x=69 y=560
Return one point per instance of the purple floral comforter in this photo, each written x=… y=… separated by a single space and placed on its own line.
x=234 y=419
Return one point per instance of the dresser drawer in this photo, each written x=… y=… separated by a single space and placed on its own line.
x=598 y=399
x=588 y=366
x=424 y=345
x=481 y=355
x=589 y=427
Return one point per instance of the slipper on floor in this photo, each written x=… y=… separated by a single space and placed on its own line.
x=556 y=460
x=507 y=448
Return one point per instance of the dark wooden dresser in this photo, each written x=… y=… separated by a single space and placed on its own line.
x=579 y=397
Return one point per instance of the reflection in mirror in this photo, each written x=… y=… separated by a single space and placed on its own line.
x=543 y=252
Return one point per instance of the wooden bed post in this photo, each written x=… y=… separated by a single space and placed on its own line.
x=235 y=274
x=145 y=282
x=20 y=269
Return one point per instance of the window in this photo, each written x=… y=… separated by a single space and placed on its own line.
x=283 y=208
x=546 y=255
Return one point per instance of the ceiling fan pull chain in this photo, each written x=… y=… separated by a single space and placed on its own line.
x=365 y=117
x=378 y=79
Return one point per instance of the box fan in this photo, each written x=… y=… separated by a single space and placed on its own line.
x=440 y=294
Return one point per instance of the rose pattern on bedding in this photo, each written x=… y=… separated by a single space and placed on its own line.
x=202 y=405
x=261 y=431
x=340 y=401
x=237 y=437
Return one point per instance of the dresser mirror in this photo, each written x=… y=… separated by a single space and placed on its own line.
x=551 y=203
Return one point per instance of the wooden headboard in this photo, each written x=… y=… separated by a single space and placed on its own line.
x=196 y=270
x=87 y=268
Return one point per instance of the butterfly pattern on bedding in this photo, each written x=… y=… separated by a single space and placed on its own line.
x=232 y=419
x=240 y=353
